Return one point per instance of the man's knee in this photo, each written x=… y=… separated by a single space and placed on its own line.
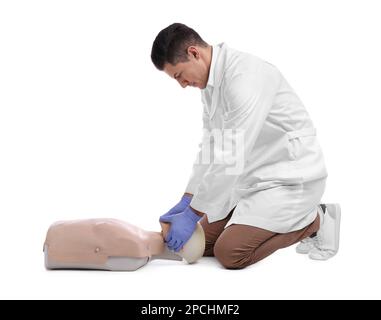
x=230 y=256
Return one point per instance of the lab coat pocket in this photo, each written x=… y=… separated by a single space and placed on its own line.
x=298 y=141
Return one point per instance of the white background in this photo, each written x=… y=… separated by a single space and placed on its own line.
x=89 y=128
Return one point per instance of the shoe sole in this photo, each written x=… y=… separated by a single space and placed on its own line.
x=319 y=257
x=300 y=251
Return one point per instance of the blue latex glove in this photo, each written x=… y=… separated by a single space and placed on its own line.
x=182 y=227
x=180 y=207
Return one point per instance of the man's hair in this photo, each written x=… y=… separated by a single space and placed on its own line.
x=171 y=44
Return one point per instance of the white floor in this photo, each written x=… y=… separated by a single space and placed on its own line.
x=284 y=275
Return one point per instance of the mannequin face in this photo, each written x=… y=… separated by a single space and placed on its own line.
x=195 y=71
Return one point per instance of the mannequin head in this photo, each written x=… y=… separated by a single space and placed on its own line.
x=194 y=247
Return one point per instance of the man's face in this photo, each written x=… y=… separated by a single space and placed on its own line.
x=192 y=73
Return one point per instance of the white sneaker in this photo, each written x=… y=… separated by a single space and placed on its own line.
x=306 y=245
x=309 y=243
x=328 y=236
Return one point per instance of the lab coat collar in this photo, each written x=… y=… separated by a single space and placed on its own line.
x=216 y=73
x=215 y=52
x=213 y=78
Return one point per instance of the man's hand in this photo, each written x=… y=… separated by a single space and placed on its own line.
x=180 y=207
x=182 y=227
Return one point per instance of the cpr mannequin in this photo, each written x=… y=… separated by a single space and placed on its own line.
x=111 y=244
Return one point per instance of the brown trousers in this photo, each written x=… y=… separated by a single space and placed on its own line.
x=239 y=246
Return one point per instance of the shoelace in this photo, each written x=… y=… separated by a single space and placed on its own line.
x=319 y=243
x=309 y=240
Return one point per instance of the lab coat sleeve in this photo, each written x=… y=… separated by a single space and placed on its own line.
x=201 y=163
x=248 y=99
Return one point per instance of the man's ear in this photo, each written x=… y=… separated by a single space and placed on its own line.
x=192 y=50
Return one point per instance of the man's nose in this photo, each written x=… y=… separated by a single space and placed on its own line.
x=183 y=83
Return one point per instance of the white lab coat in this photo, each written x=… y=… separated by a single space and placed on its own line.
x=284 y=174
